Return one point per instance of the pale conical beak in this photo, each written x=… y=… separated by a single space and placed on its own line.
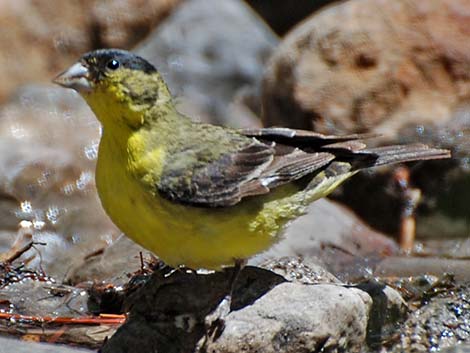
x=76 y=77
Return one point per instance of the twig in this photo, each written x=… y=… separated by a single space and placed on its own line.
x=102 y=319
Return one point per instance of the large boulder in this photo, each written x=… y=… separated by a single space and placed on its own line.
x=370 y=65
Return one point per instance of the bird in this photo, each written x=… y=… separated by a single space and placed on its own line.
x=199 y=195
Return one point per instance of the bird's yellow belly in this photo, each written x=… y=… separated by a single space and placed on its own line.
x=184 y=235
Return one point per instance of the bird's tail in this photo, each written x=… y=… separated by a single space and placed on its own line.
x=403 y=153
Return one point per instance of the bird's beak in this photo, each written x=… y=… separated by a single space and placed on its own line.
x=76 y=77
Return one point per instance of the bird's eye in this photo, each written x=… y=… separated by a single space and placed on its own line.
x=112 y=64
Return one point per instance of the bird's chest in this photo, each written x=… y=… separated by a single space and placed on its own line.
x=124 y=197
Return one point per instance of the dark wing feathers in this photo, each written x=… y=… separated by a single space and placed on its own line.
x=273 y=157
x=217 y=183
x=300 y=138
x=405 y=153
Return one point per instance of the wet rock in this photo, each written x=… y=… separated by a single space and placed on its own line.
x=38 y=42
x=41 y=299
x=443 y=322
x=445 y=247
x=169 y=312
x=387 y=312
x=39 y=308
x=206 y=58
x=414 y=266
x=456 y=349
x=300 y=270
x=112 y=265
x=180 y=312
x=48 y=147
x=368 y=65
x=17 y=346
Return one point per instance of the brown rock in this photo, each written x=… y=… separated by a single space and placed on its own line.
x=40 y=38
x=370 y=65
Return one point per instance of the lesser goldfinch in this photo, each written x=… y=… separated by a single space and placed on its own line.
x=200 y=195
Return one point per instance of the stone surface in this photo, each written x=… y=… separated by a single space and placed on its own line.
x=371 y=65
x=443 y=321
x=300 y=270
x=206 y=57
x=461 y=348
x=386 y=314
x=179 y=312
x=169 y=312
x=48 y=145
x=113 y=265
x=41 y=299
x=415 y=266
x=40 y=38
x=9 y=345
x=298 y=318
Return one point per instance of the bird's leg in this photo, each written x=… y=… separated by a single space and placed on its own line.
x=236 y=270
x=216 y=319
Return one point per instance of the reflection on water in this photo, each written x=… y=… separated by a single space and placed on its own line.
x=48 y=148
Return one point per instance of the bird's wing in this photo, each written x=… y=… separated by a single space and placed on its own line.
x=273 y=157
x=253 y=169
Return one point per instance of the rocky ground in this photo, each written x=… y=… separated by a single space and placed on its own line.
x=338 y=281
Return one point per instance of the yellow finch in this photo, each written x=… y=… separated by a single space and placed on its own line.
x=201 y=195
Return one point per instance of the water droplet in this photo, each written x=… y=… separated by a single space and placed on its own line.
x=175 y=62
x=465 y=163
x=52 y=214
x=18 y=131
x=26 y=207
x=75 y=238
x=91 y=152
x=68 y=189
x=38 y=224
x=447 y=333
x=420 y=129
x=84 y=179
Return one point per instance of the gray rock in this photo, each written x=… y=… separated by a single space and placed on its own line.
x=39 y=298
x=457 y=349
x=207 y=50
x=9 y=345
x=387 y=313
x=113 y=265
x=415 y=266
x=443 y=321
x=297 y=269
x=298 y=318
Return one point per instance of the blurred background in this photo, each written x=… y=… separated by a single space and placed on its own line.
x=397 y=68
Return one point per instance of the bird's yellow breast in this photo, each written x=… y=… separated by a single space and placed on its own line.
x=181 y=234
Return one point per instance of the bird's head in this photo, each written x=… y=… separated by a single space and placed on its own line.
x=118 y=85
